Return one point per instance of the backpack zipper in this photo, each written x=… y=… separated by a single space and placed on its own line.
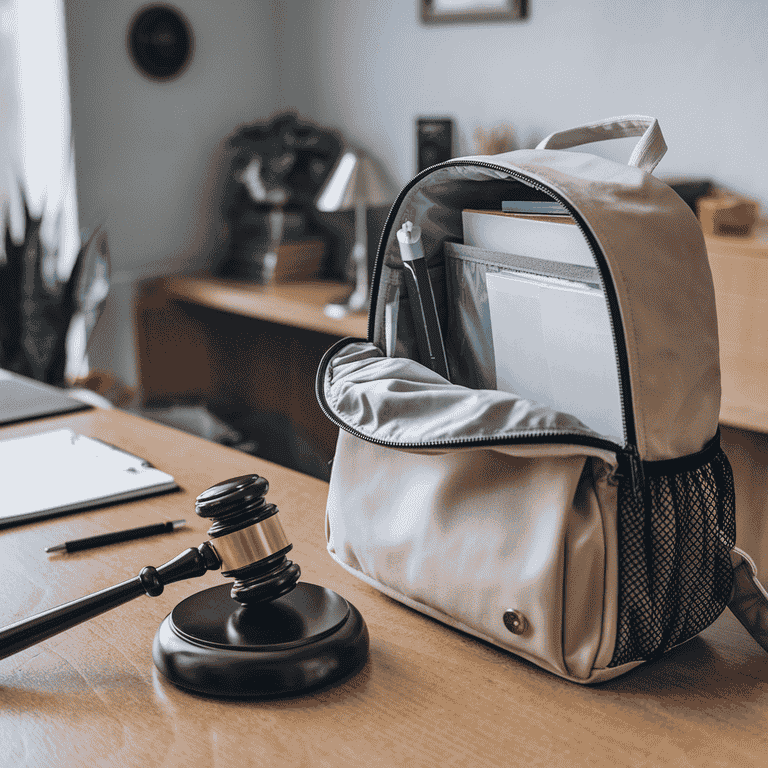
x=631 y=458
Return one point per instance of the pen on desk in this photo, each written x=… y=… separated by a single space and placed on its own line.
x=117 y=536
x=429 y=338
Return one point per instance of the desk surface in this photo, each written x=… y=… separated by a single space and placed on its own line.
x=429 y=696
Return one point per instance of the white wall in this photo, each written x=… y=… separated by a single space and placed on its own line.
x=700 y=66
x=147 y=151
x=35 y=126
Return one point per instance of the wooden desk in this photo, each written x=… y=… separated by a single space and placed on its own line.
x=249 y=352
x=429 y=696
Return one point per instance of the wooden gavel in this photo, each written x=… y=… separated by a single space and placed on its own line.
x=263 y=638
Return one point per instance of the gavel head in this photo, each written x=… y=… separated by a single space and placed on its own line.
x=298 y=637
x=249 y=539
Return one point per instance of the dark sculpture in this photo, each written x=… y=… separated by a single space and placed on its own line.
x=276 y=165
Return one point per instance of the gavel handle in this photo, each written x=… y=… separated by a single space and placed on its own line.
x=150 y=581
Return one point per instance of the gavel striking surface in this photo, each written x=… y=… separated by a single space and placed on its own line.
x=268 y=635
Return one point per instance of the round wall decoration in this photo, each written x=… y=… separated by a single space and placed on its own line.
x=160 y=42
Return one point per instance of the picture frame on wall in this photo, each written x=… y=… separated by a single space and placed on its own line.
x=445 y=11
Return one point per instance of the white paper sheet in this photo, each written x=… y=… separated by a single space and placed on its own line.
x=552 y=343
x=61 y=471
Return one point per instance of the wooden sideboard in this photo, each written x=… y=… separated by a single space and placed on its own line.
x=202 y=338
x=249 y=352
x=740 y=275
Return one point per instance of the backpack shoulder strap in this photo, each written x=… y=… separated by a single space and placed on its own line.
x=749 y=599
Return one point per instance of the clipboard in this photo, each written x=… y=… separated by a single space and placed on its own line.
x=61 y=472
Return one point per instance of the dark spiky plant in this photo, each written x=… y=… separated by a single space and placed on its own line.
x=36 y=305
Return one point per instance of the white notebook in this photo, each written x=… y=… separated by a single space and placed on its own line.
x=556 y=238
x=61 y=471
x=552 y=343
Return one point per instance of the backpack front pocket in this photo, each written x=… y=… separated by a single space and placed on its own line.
x=472 y=506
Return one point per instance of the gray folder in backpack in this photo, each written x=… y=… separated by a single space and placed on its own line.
x=545 y=326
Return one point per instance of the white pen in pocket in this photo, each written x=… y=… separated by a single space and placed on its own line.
x=421 y=298
x=390 y=323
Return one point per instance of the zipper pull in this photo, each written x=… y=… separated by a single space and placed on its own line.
x=636 y=472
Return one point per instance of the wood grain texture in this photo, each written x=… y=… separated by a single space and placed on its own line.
x=298 y=304
x=740 y=276
x=249 y=352
x=429 y=696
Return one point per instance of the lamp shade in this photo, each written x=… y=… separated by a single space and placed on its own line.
x=356 y=180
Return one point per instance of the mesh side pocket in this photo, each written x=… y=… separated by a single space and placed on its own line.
x=675 y=571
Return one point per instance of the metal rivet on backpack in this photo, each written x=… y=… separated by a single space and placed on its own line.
x=515 y=622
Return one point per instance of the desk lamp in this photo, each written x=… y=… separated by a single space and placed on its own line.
x=264 y=635
x=355 y=184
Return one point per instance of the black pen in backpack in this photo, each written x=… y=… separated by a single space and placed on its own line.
x=421 y=298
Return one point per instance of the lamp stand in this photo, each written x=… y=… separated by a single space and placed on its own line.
x=357 y=301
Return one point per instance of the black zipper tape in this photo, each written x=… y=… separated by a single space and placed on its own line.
x=608 y=285
x=533 y=436
x=630 y=434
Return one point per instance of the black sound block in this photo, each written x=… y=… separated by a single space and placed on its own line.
x=215 y=646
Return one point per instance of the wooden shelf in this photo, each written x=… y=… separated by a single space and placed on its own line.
x=298 y=305
x=248 y=352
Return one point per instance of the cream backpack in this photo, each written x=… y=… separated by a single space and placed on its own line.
x=587 y=545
